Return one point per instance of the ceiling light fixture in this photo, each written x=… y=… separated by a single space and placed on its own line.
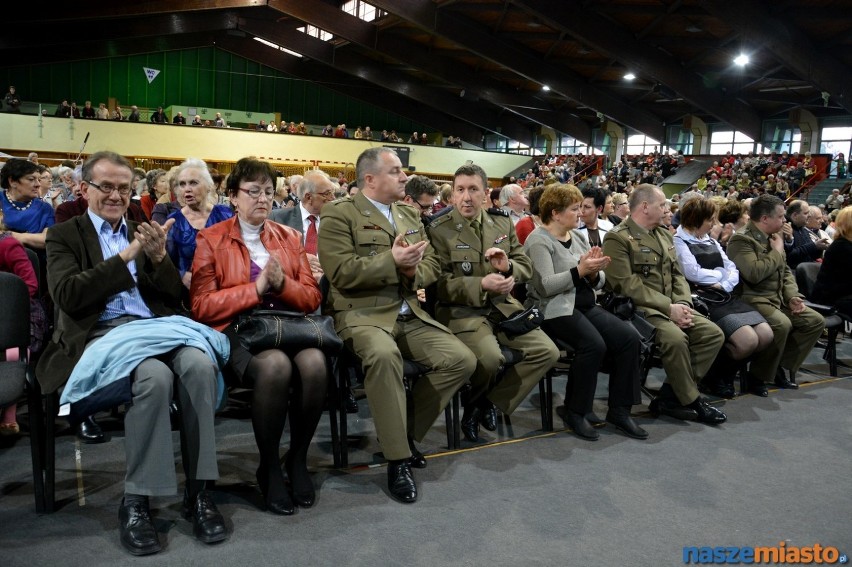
x=741 y=60
x=629 y=76
x=545 y=88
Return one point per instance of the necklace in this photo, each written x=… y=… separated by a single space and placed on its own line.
x=18 y=207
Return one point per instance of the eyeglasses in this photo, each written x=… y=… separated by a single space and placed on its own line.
x=326 y=194
x=108 y=188
x=426 y=207
x=256 y=192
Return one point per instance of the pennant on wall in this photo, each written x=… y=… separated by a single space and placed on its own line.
x=151 y=73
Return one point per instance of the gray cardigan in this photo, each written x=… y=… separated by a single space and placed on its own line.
x=552 y=286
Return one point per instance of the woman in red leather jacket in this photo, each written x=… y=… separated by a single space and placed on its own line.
x=244 y=263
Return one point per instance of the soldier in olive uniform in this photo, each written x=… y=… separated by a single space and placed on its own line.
x=375 y=254
x=767 y=283
x=644 y=267
x=481 y=260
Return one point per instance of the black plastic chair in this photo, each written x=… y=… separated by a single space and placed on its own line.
x=14 y=375
x=349 y=371
x=806 y=275
x=14 y=334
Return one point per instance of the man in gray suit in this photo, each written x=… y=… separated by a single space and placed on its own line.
x=104 y=271
x=314 y=190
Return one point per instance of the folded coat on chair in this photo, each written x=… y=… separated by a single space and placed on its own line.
x=101 y=378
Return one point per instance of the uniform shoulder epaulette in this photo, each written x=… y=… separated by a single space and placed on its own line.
x=438 y=220
x=497 y=212
x=404 y=204
x=346 y=199
x=619 y=227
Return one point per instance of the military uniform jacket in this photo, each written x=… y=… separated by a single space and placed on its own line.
x=765 y=276
x=354 y=247
x=461 y=302
x=644 y=267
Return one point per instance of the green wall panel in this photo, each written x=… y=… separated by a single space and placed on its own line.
x=119 y=71
x=188 y=80
x=137 y=82
x=266 y=99
x=173 y=72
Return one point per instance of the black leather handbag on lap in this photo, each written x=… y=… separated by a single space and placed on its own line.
x=522 y=322
x=266 y=329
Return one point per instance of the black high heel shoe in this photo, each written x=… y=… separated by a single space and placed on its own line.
x=282 y=506
x=304 y=493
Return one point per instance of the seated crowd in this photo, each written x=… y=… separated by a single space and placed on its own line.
x=159 y=116
x=413 y=271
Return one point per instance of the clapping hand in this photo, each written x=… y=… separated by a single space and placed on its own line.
x=150 y=239
x=592 y=262
x=272 y=277
x=407 y=256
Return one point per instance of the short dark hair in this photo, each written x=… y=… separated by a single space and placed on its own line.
x=15 y=169
x=534 y=197
x=249 y=169
x=794 y=207
x=597 y=195
x=763 y=205
x=473 y=170
x=418 y=185
x=695 y=212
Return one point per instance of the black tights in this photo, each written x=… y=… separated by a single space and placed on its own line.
x=276 y=389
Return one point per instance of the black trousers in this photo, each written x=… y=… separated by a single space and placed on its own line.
x=596 y=333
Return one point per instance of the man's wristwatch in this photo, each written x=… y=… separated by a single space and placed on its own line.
x=508 y=272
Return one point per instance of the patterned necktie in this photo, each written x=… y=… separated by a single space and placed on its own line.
x=311 y=236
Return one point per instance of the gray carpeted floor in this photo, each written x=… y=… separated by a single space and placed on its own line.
x=778 y=470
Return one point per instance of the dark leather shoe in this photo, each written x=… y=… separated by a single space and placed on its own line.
x=350 y=404
x=489 y=417
x=707 y=413
x=282 y=506
x=783 y=382
x=623 y=421
x=401 y=482
x=304 y=493
x=470 y=423
x=757 y=386
x=208 y=525
x=138 y=535
x=578 y=424
x=594 y=419
x=664 y=406
x=718 y=390
x=417 y=460
x=88 y=431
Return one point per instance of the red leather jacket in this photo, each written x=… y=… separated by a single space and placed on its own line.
x=221 y=268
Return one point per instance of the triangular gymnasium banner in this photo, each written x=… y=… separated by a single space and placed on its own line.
x=151 y=73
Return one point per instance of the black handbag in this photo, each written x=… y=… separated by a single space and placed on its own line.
x=623 y=307
x=522 y=322
x=705 y=297
x=266 y=329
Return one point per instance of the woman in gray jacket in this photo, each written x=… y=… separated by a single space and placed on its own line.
x=567 y=273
